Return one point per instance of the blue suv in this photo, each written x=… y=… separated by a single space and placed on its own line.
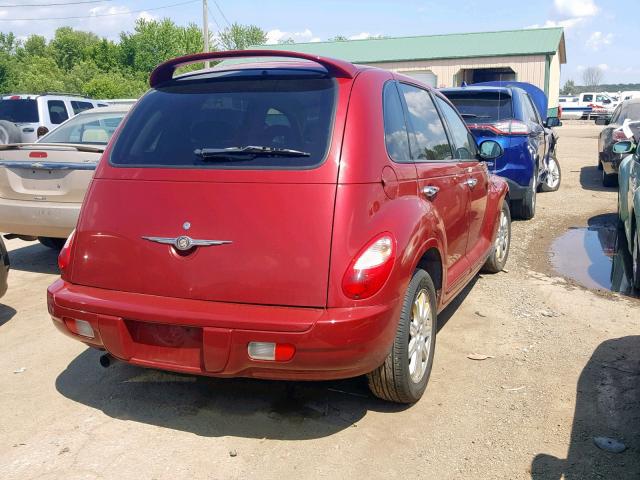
x=509 y=113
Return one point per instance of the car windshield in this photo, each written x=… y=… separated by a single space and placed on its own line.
x=89 y=128
x=482 y=107
x=19 y=111
x=246 y=119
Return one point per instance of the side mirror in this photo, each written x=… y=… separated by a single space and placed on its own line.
x=490 y=150
x=552 y=122
x=603 y=121
x=623 y=147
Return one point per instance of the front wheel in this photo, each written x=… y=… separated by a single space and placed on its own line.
x=553 y=177
x=500 y=252
x=403 y=376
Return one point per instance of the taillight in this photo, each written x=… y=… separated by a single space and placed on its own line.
x=509 y=127
x=618 y=135
x=65 y=254
x=38 y=155
x=370 y=269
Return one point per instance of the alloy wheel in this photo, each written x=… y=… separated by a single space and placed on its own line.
x=502 y=237
x=553 y=174
x=420 y=336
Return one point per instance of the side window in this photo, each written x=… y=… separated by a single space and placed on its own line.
x=587 y=98
x=464 y=143
x=57 y=111
x=428 y=138
x=532 y=112
x=615 y=118
x=80 y=106
x=396 y=136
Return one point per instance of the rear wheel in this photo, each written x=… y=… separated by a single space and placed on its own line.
x=9 y=133
x=609 y=179
x=53 y=243
x=525 y=208
x=554 y=175
x=636 y=260
x=498 y=258
x=403 y=376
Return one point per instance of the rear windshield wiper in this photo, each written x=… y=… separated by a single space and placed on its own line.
x=251 y=151
x=473 y=115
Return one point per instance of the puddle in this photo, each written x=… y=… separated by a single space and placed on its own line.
x=596 y=256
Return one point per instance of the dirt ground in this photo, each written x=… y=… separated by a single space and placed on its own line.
x=564 y=368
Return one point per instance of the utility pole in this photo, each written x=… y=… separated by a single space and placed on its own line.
x=205 y=29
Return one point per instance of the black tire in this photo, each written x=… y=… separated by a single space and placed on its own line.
x=525 y=208
x=392 y=381
x=9 y=133
x=500 y=250
x=53 y=243
x=609 y=179
x=636 y=260
x=600 y=161
x=546 y=185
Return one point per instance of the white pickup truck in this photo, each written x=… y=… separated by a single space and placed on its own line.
x=585 y=105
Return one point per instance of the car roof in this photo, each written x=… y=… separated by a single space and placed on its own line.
x=119 y=108
x=481 y=89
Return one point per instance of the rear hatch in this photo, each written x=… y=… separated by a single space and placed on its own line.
x=53 y=173
x=22 y=111
x=264 y=215
x=487 y=113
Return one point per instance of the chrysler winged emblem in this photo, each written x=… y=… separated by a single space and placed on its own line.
x=184 y=242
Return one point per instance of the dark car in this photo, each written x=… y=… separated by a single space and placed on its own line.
x=508 y=115
x=608 y=161
x=304 y=220
x=4 y=267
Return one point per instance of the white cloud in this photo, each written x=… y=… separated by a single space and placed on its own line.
x=276 y=35
x=567 y=23
x=575 y=8
x=147 y=16
x=604 y=67
x=598 y=39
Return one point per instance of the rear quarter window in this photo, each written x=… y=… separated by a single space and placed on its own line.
x=19 y=111
x=171 y=126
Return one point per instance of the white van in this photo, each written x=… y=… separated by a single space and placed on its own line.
x=25 y=117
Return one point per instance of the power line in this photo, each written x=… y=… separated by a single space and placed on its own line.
x=97 y=15
x=54 y=4
x=221 y=12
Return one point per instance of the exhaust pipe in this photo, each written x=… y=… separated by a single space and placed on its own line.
x=106 y=360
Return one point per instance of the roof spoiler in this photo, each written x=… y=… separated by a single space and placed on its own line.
x=164 y=72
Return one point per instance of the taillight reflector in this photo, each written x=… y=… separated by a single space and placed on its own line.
x=270 y=351
x=38 y=155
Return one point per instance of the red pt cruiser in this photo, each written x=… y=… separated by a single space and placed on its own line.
x=296 y=219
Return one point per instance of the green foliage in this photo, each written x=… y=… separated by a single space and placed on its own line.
x=338 y=38
x=81 y=62
x=241 y=37
x=569 y=88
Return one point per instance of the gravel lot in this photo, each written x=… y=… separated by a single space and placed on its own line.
x=564 y=368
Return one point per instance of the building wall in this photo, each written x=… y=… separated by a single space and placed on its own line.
x=529 y=69
x=554 y=81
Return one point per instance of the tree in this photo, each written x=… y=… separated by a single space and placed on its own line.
x=153 y=42
x=287 y=41
x=114 y=85
x=241 y=37
x=338 y=38
x=40 y=75
x=33 y=46
x=8 y=43
x=592 y=76
x=569 y=88
x=70 y=46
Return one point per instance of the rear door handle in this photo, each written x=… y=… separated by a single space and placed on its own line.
x=430 y=191
x=471 y=182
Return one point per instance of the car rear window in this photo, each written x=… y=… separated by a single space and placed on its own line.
x=89 y=128
x=481 y=107
x=19 y=111
x=632 y=112
x=173 y=126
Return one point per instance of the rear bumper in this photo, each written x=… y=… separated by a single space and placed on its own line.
x=38 y=219
x=610 y=161
x=211 y=338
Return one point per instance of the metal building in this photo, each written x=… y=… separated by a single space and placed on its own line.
x=531 y=55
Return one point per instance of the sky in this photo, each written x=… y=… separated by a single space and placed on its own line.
x=598 y=32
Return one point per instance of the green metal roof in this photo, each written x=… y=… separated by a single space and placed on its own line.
x=541 y=41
